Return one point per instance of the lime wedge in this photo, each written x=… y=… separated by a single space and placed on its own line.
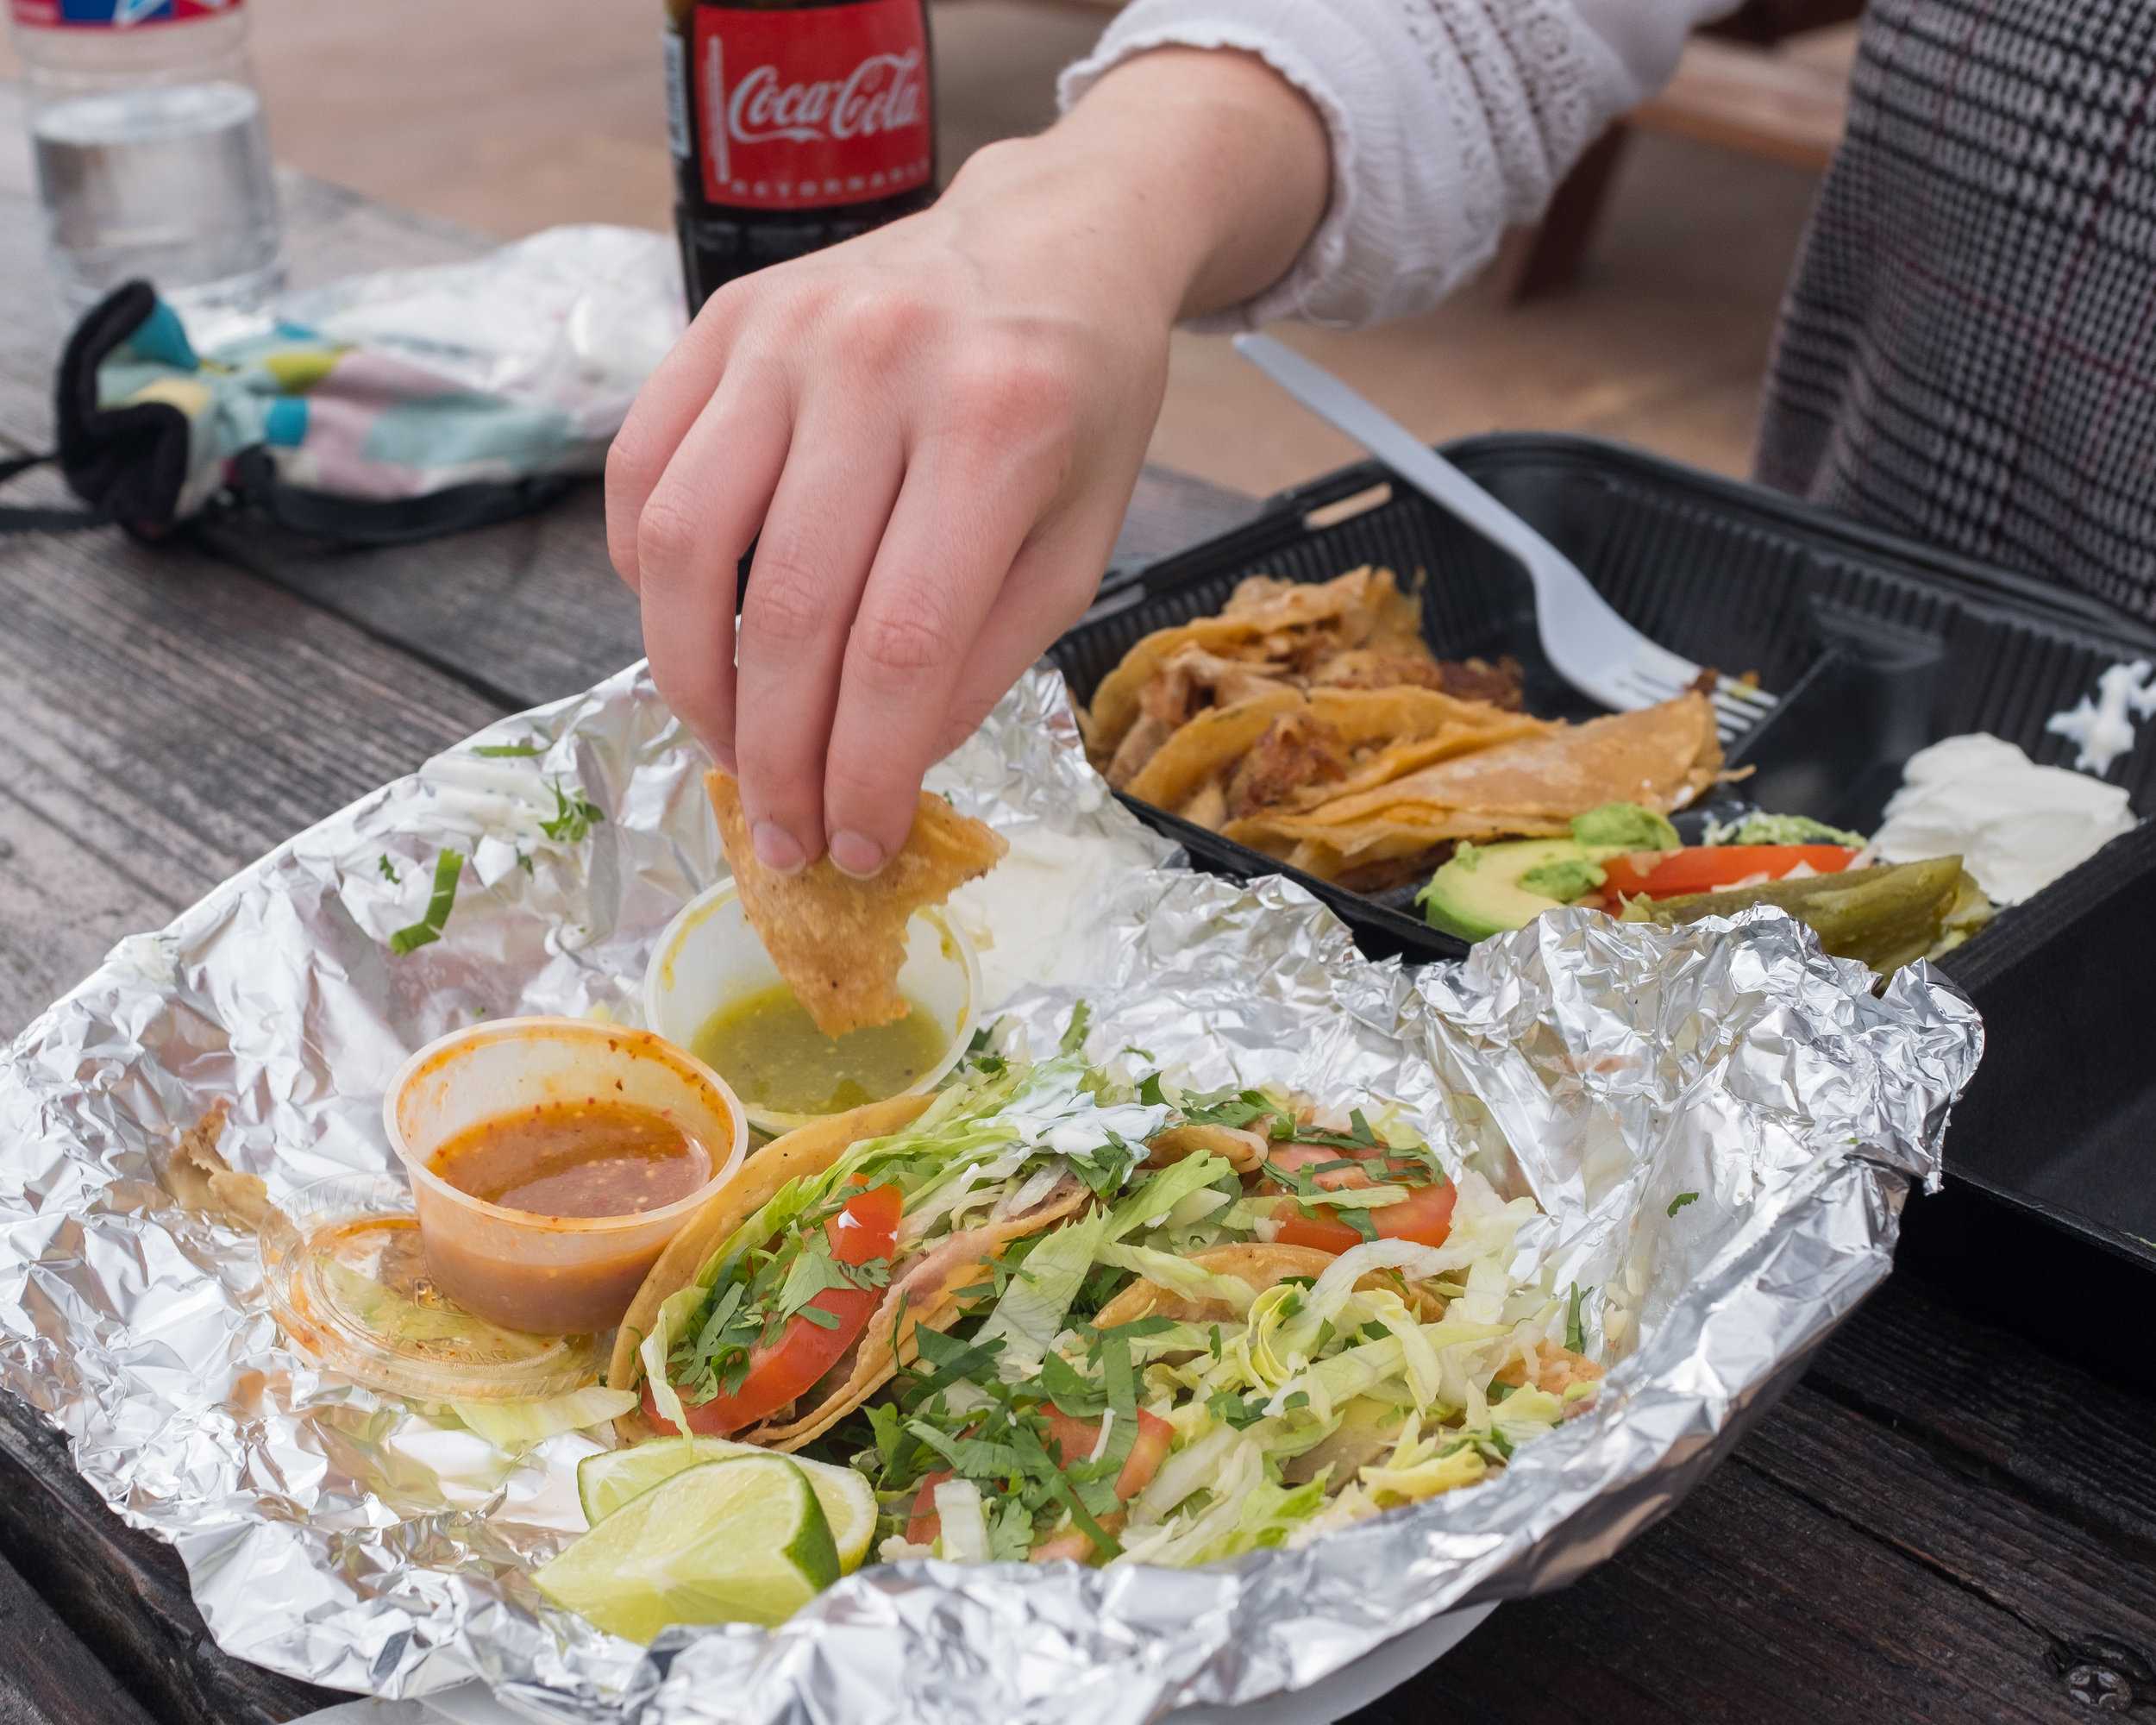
x=736 y=1541
x=606 y=1481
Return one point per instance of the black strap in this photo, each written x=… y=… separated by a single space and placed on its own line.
x=20 y=519
x=385 y=521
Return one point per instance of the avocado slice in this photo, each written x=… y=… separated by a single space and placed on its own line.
x=1485 y=889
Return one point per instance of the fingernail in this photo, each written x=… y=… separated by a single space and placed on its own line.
x=778 y=849
x=854 y=854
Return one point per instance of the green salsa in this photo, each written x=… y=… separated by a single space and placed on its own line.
x=769 y=1050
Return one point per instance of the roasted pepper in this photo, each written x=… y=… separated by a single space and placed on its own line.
x=1886 y=917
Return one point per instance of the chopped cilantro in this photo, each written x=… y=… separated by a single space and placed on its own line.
x=446 y=869
x=1574 y=1334
x=1033 y=1454
x=1681 y=1200
x=575 y=816
x=1228 y=1408
x=1070 y=1389
x=1074 y=1032
x=388 y=870
x=511 y=751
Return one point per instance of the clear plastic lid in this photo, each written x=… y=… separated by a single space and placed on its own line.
x=348 y=1284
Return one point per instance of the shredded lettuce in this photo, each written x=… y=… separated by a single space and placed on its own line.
x=964 y=1537
x=1178 y=1275
x=674 y=1311
x=1029 y=1315
x=519 y=1425
x=1163 y=1191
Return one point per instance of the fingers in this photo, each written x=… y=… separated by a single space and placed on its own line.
x=690 y=535
x=953 y=536
x=666 y=407
x=811 y=565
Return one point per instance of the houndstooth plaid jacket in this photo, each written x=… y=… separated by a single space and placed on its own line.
x=1968 y=350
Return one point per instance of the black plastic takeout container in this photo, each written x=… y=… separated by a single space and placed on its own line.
x=1877 y=646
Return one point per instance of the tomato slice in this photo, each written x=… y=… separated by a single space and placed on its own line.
x=1287 y=1158
x=1071 y=1440
x=866 y=1228
x=923 y=1527
x=1708 y=868
x=1424 y=1216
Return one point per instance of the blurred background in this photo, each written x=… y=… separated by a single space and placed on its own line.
x=1646 y=311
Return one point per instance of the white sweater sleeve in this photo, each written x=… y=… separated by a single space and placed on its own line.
x=1450 y=120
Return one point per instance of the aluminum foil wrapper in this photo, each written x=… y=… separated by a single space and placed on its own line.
x=348 y=1539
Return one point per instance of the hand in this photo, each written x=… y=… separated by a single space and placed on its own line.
x=935 y=429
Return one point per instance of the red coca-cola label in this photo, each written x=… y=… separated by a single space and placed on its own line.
x=797 y=110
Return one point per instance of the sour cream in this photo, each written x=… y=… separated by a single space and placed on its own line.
x=2103 y=727
x=2015 y=825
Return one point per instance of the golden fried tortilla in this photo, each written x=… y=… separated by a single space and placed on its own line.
x=1386 y=733
x=1265 y=619
x=1530 y=786
x=839 y=943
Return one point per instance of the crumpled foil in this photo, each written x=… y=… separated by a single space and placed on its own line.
x=346 y=1538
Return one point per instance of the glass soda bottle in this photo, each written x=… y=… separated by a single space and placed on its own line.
x=794 y=124
x=147 y=131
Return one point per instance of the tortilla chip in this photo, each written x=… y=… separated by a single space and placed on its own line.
x=840 y=943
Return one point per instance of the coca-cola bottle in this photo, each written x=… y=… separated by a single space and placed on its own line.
x=795 y=124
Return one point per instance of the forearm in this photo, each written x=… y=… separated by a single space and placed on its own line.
x=1447 y=122
x=1199 y=175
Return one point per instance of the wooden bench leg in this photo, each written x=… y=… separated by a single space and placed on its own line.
x=1553 y=256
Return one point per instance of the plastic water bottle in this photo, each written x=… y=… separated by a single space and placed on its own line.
x=151 y=158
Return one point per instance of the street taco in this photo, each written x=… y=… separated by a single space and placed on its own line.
x=1287 y=751
x=1356 y=632
x=869 y=1224
x=1152 y=1324
x=1527 y=786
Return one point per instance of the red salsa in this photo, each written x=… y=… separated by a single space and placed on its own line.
x=580 y=1158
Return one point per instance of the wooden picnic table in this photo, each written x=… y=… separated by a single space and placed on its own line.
x=1941 y=1521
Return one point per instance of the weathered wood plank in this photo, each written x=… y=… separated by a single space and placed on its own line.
x=47 y=1675
x=174 y=718
x=124 y=1593
x=2079 y=1448
x=1751 y=1602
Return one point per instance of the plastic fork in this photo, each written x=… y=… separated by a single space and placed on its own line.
x=1592 y=647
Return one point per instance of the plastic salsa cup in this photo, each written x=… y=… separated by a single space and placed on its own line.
x=709 y=957
x=548 y=1275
